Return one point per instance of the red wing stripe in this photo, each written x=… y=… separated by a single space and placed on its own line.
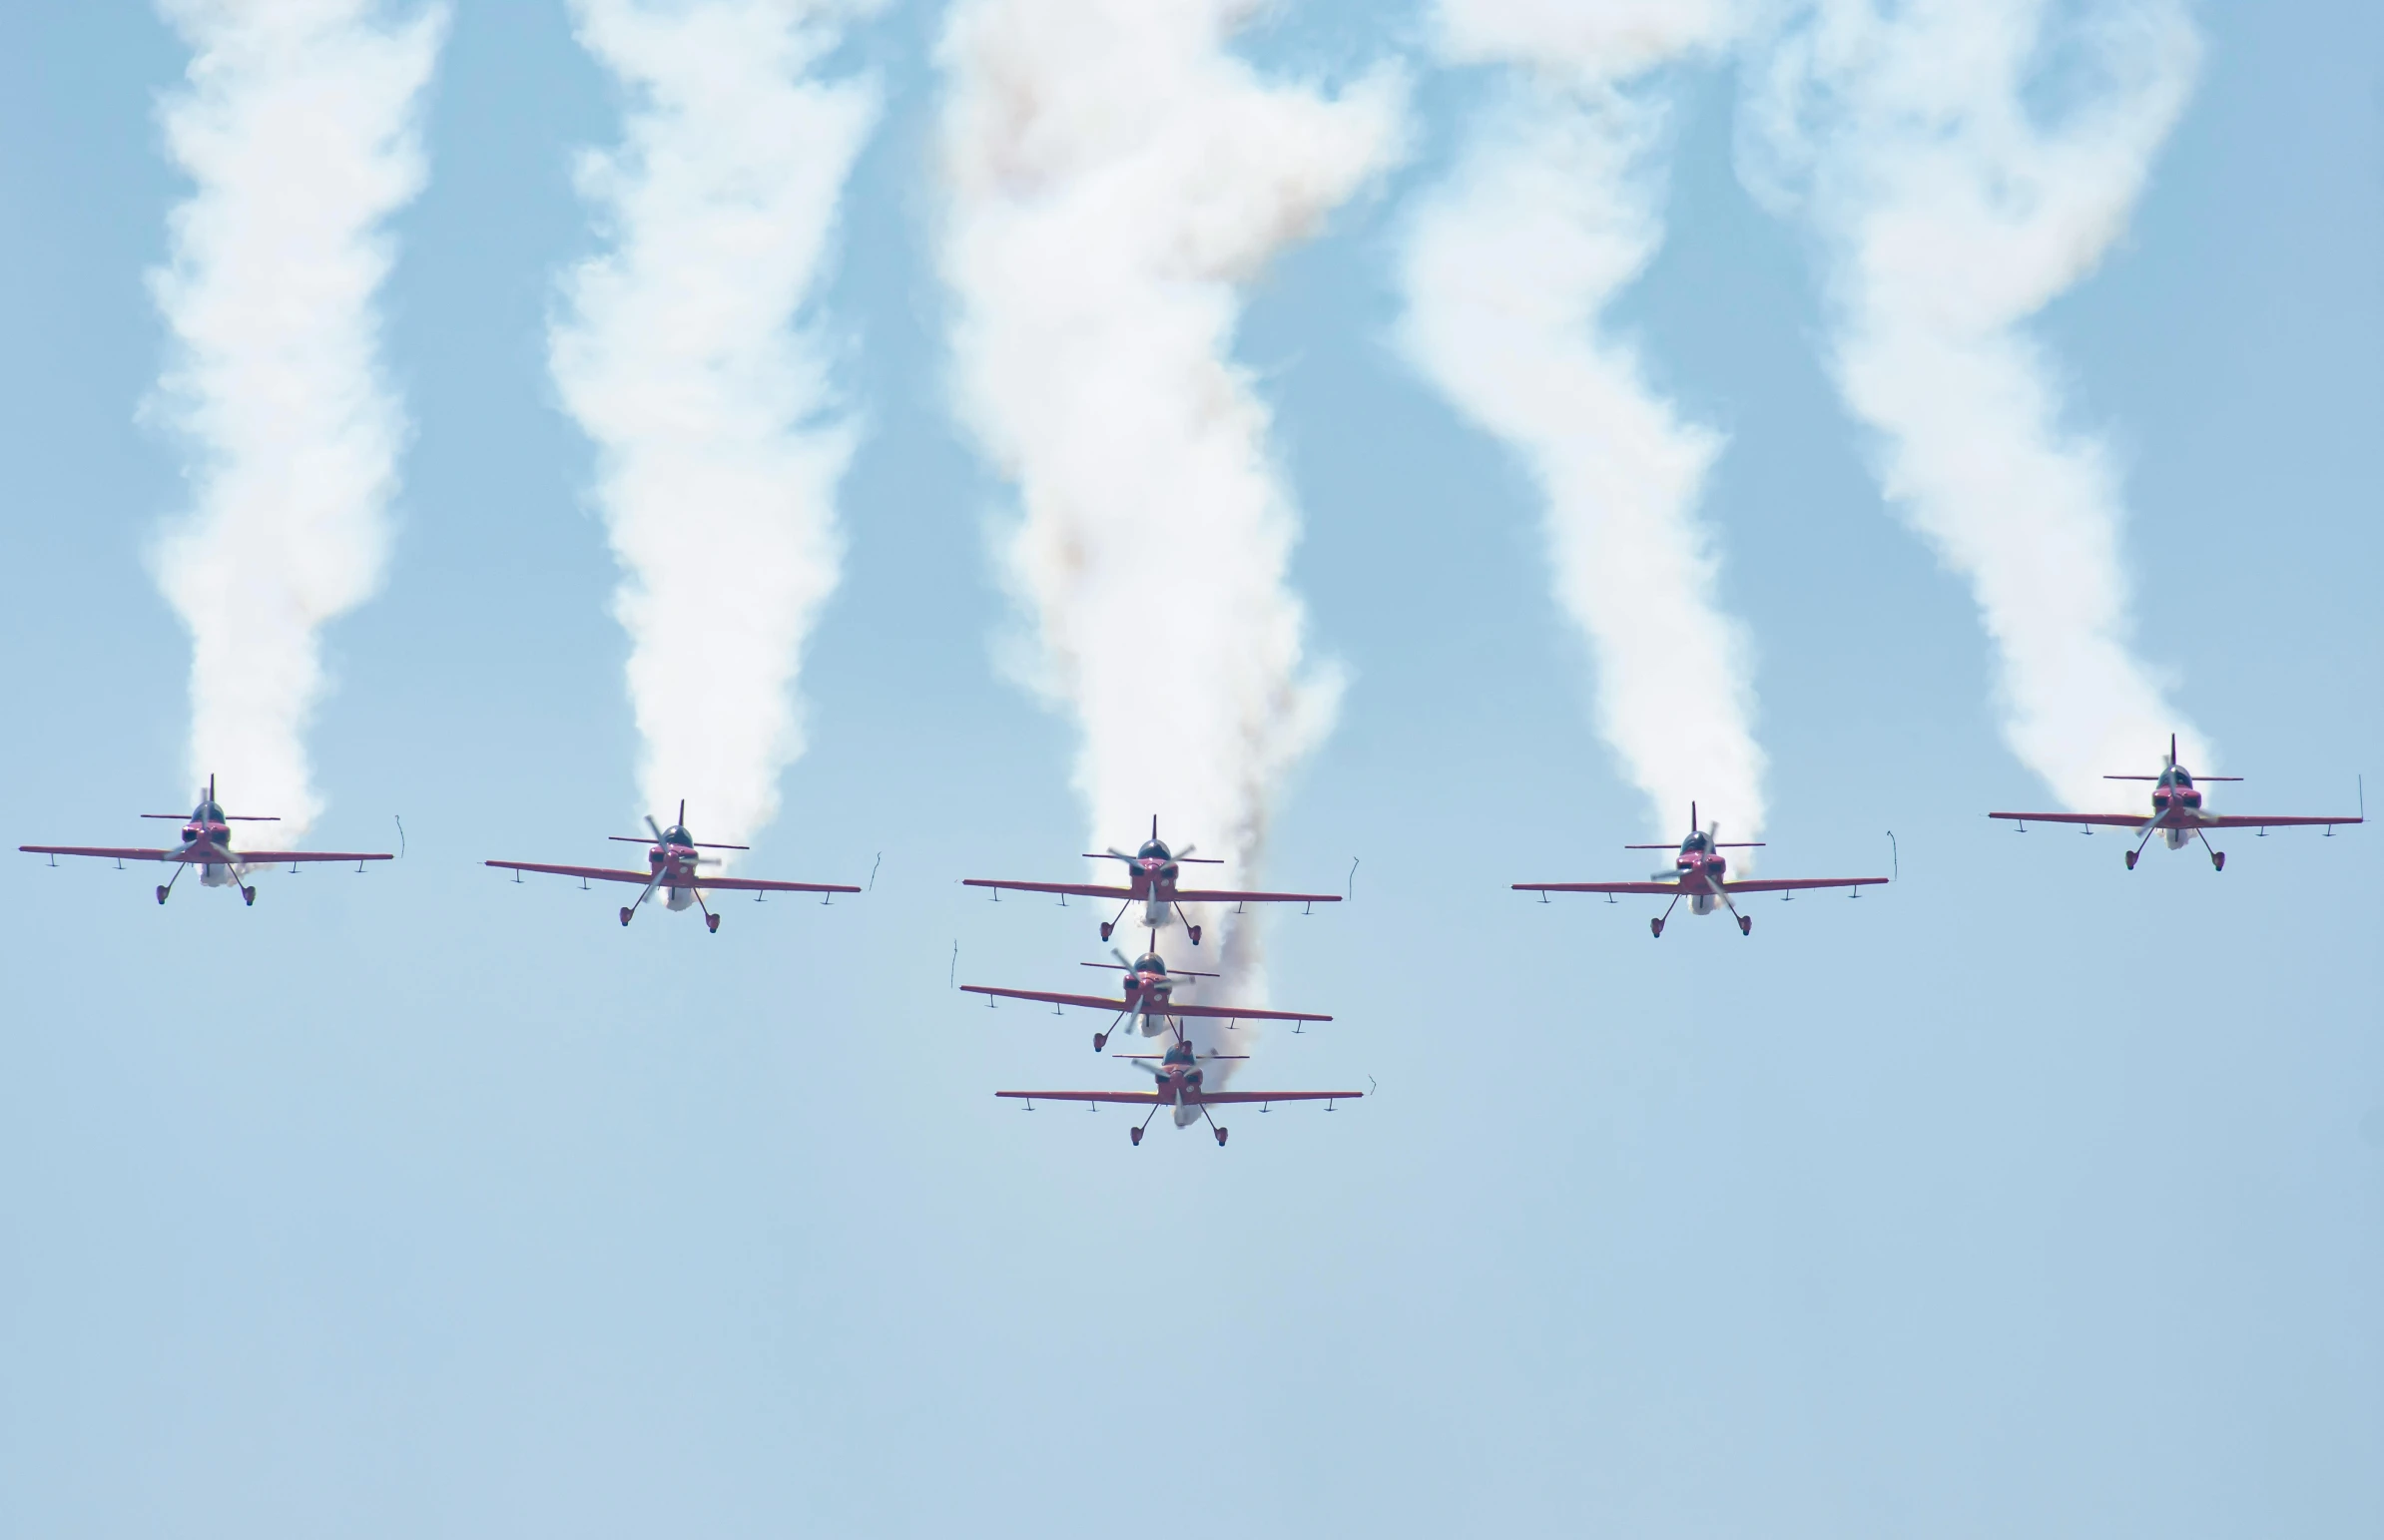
x=1774 y=886
x=104 y=852
x=1132 y=1098
x=2237 y=821
x=2107 y=820
x=1602 y=887
x=1089 y=1002
x=262 y=858
x=1221 y=895
x=756 y=884
x=1227 y=1012
x=605 y=873
x=1219 y=1098
x=1084 y=888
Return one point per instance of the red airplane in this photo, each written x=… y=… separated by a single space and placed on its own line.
x=671 y=866
x=1150 y=881
x=1148 y=990
x=206 y=844
x=1696 y=875
x=1178 y=1075
x=2177 y=813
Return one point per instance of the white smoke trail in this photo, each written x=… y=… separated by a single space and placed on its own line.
x=684 y=357
x=1117 y=177
x=1952 y=208
x=1553 y=211
x=298 y=125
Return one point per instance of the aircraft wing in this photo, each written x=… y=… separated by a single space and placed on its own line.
x=1089 y=1002
x=1604 y=887
x=1225 y=896
x=273 y=857
x=603 y=874
x=1084 y=889
x=2225 y=821
x=1132 y=1098
x=2107 y=820
x=1782 y=884
x=107 y=853
x=760 y=885
x=1228 y=1012
x=1219 y=1098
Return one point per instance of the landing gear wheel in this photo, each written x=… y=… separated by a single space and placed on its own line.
x=1220 y=1139
x=1134 y=1135
x=1655 y=929
x=248 y=895
x=161 y=892
x=712 y=923
x=2218 y=860
x=2131 y=860
x=624 y=916
x=1195 y=932
x=1106 y=927
x=1100 y=1041
x=1746 y=925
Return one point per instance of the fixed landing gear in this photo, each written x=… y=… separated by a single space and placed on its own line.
x=248 y=895
x=1220 y=1139
x=1100 y=1041
x=712 y=923
x=1194 y=932
x=161 y=892
x=1134 y=1136
x=1746 y=925
x=1655 y=929
x=625 y=914
x=2131 y=860
x=1106 y=927
x=2218 y=860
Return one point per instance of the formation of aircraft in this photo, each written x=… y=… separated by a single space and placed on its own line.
x=206 y=844
x=2177 y=815
x=1151 y=877
x=673 y=869
x=1148 y=989
x=1698 y=875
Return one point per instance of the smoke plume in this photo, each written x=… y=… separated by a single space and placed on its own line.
x=687 y=355
x=1116 y=176
x=1553 y=211
x=1966 y=162
x=298 y=123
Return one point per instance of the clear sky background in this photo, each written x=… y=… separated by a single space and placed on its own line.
x=2030 y=1196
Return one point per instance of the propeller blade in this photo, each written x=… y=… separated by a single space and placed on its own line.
x=1185 y=854
x=656 y=828
x=1121 y=959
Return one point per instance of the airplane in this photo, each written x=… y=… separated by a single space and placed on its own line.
x=1148 y=999
x=1150 y=881
x=671 y=866
x=1697 y=875
x=1178 y=1078
x=2177 y=813
x=206 y=844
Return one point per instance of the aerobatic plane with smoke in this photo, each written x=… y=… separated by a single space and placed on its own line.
x=206 y=844
x=1148 y=1000
x=1698 y=875
x=2177 y=815
x=1151 y=879
x=673 y=863
x=1177 y=1082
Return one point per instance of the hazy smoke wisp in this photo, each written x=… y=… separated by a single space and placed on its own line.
x=684 y=353
x=298 y=123
x=1953 y=207
x=1553 y=210
x=1116 y=177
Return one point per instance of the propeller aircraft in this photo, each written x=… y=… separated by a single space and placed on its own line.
x=1698 y=875
x=1177 y=1077
x=1148 y=999
x=2177 y=815
x=1151 y=877
x=206 y=844
x=673 y=862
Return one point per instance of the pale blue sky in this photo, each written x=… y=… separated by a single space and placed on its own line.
x=2027 y=1197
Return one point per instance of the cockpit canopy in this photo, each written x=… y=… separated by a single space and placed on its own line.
x=677 y=835
x=1153 y=850
x=2176 y=776
x=1150 y=963
x=1697 y=843
x=1181 y=1053
x=208 y=812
